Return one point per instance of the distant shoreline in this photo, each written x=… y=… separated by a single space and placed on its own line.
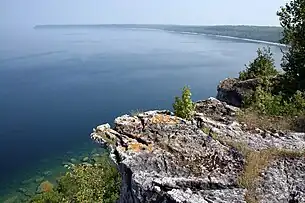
x=269 y=35
x=238 y=38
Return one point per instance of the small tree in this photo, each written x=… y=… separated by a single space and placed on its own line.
x=262 y=66
x=184 y=106
x=292 y=19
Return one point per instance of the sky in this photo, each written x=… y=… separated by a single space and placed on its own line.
x=188 y=12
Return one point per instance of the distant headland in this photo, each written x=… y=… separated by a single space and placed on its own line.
x=261 y=33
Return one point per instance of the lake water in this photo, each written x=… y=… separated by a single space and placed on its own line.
x=56 y=85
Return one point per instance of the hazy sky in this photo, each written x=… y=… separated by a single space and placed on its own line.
x=199 y=12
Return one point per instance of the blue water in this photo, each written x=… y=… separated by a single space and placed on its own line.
x=56 y=85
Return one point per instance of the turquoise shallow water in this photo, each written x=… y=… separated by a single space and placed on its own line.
x=56 y=85
x=49 y=169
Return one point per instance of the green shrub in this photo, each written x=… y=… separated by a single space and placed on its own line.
x=292 y=20
x=184 y=106
x=48 y=197
x=262 y=66
x=276 y=105
x=85 y=184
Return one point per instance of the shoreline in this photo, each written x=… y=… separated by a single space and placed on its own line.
x=214 y=35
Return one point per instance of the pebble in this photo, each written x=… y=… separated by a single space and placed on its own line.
x=22 y=190
x=28 y=181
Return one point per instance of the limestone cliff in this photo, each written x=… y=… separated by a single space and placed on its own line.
x=163 y=158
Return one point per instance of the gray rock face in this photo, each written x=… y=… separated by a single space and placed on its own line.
x=229 y=129
x=216 y=110
x=233 y=91
x=163 y=158
x=166 y=159
x=283 y=181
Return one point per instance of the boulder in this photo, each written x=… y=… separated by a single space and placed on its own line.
x=215 y=109
x=85 y=159
x=73 y=160
x=233 y=91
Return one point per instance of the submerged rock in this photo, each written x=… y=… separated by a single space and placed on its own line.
x=85 y=159
x=73 y=160
x=28 y=181
x=66 y=163
x=22 y=190
x=39 y=179
x=13 y=199
x=47 y=173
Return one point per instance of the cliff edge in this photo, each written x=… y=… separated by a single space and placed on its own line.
x=163 y=158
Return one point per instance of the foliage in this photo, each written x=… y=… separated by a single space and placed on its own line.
x=184 y=106
x=48 y=197
x=277 y=105
x=262 y=66
x=292 y=19
x=255 y=162
x=98 y=183
x=281 y=94
x=255 y=119
x=269 y=99
x=45 y=186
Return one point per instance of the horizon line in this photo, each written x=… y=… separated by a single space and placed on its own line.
x=38 y=25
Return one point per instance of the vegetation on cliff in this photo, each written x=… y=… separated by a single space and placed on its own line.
x=84 y=183
x=262 y=66
x=280 y=97
x=282 y=94
x=184 y=106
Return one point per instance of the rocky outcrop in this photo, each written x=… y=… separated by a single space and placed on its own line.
x=233 y=91
x=163 y=158
x=283 y=181
x=226 y=127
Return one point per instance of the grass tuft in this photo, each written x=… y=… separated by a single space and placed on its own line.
x=254 y=119
x=255 y=163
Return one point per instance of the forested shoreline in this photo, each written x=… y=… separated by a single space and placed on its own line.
x=262 y=33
